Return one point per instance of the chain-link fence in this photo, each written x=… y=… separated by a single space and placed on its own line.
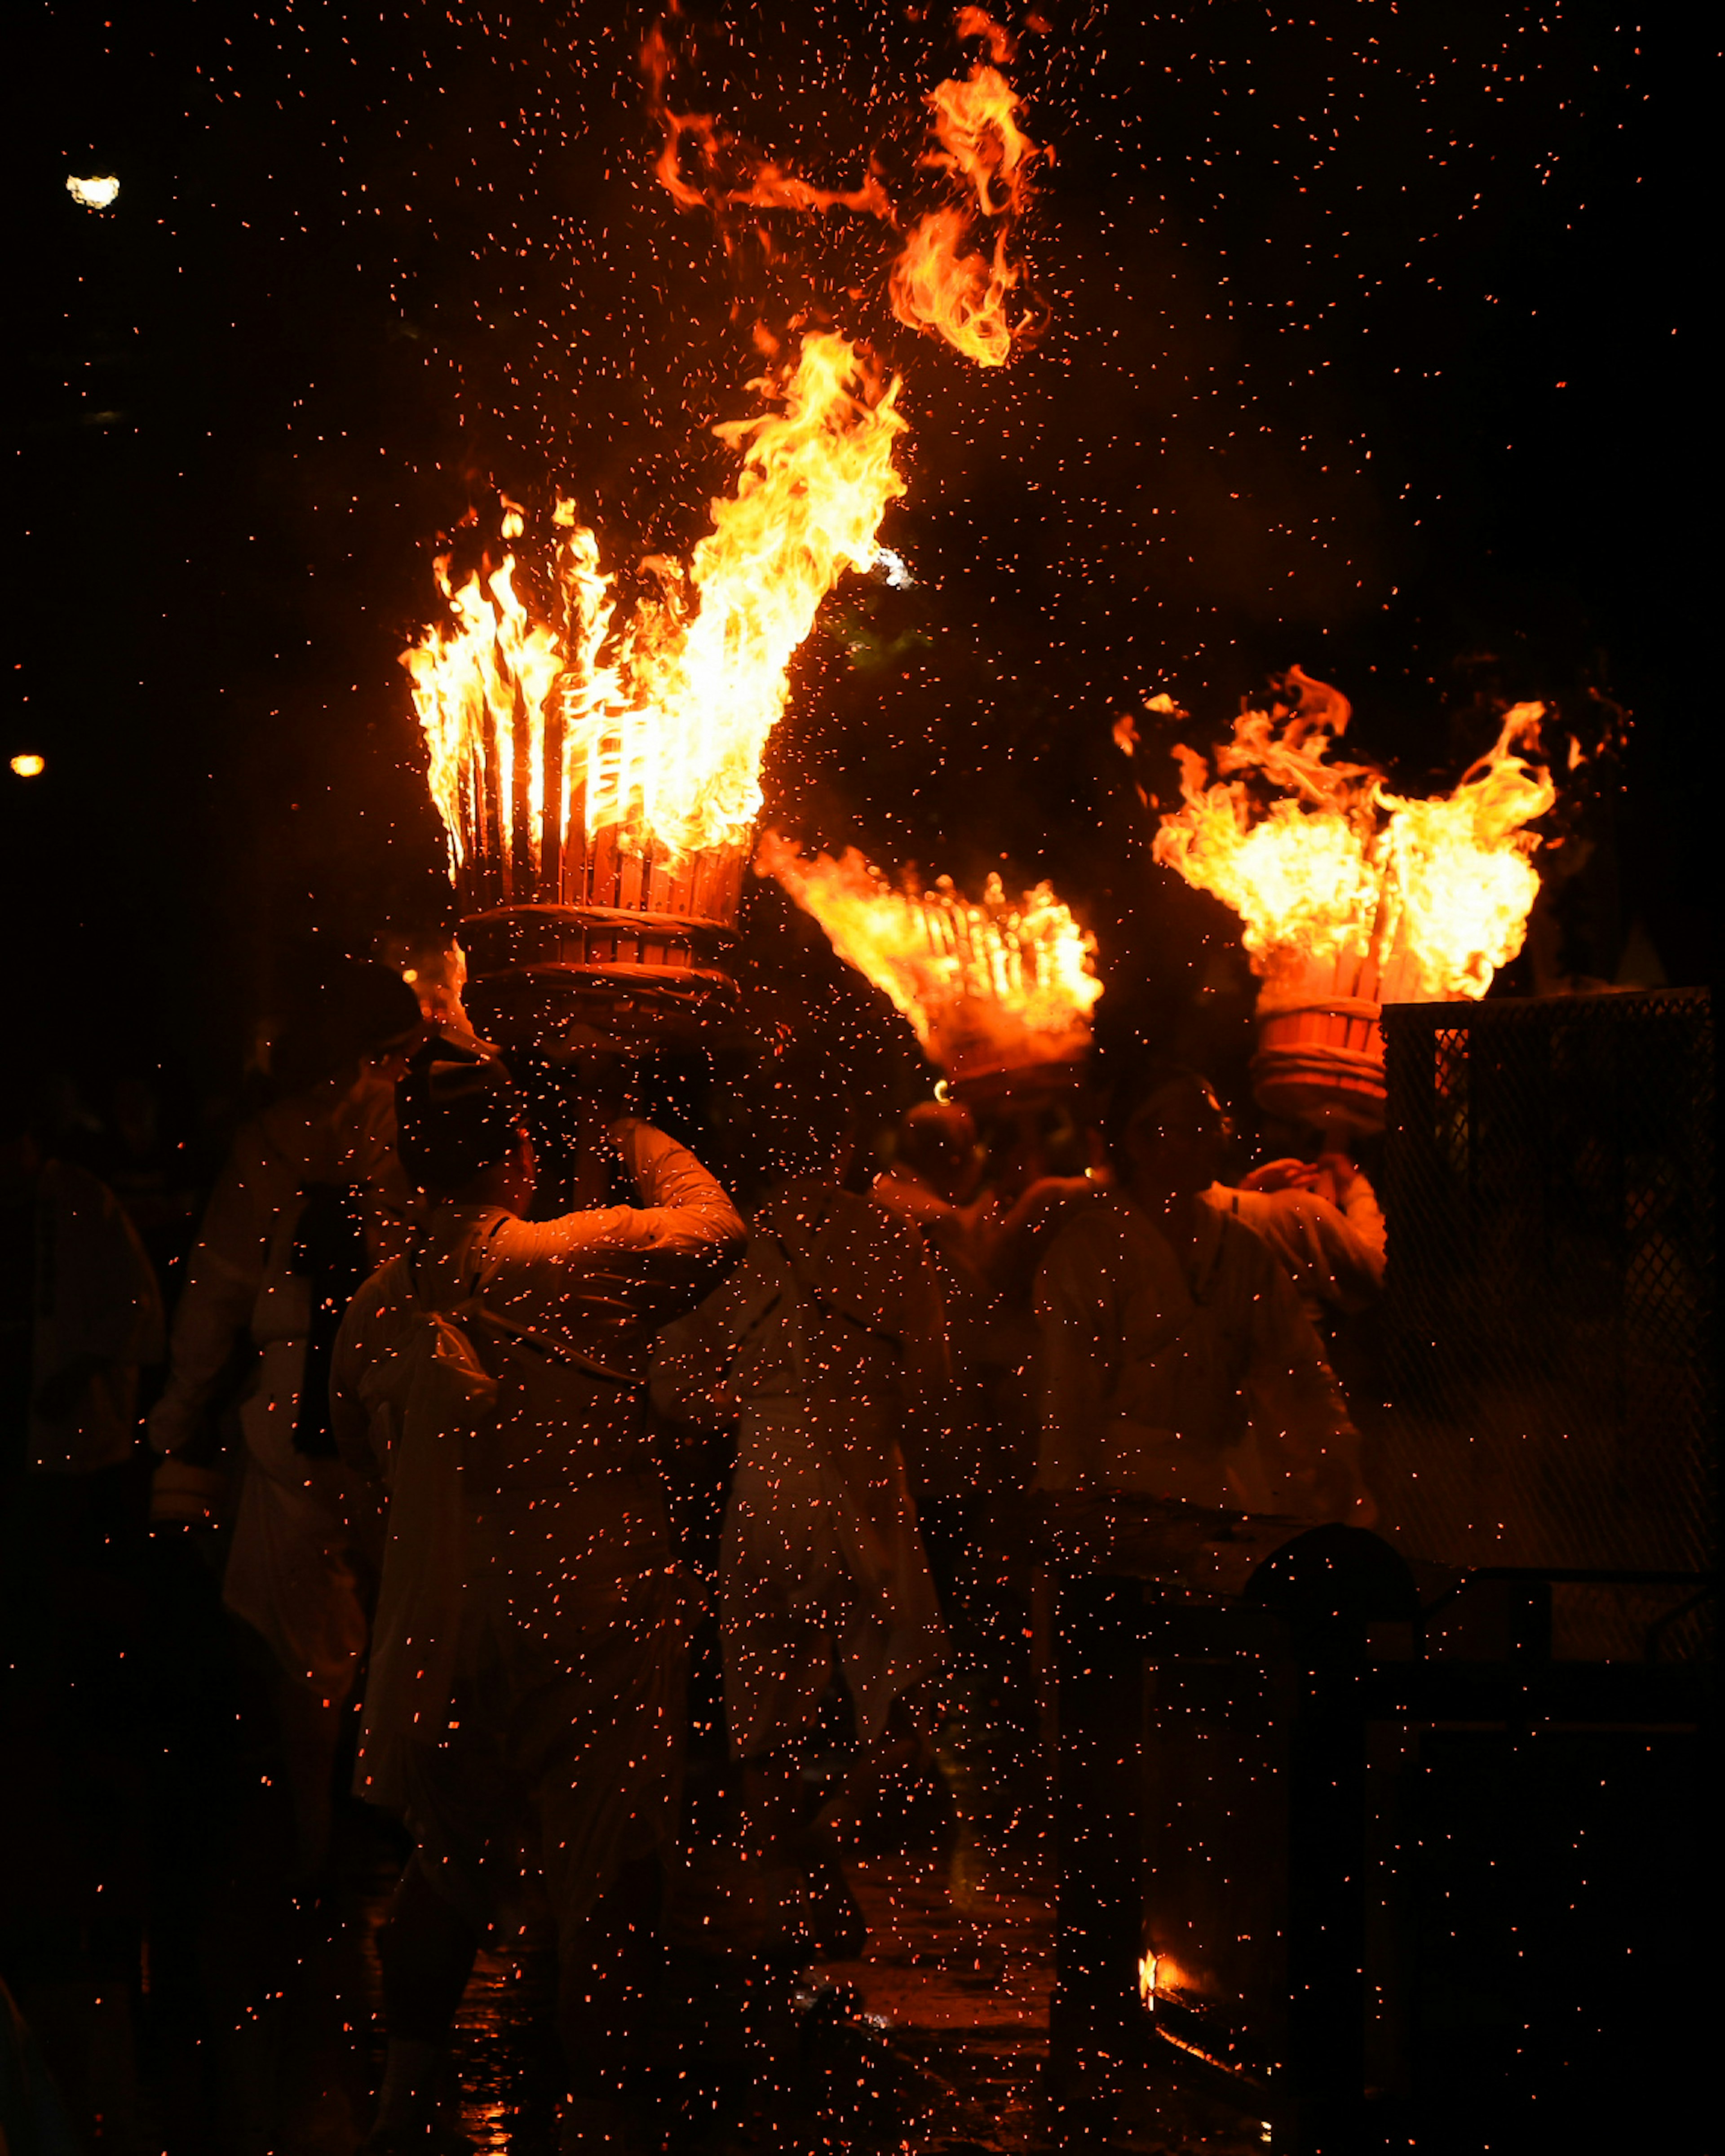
x=1549 y=1189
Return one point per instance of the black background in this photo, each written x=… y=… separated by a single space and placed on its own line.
x=1372 y=346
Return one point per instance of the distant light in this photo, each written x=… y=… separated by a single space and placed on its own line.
x=28 y=766
x=893 y=569
x=98 y=193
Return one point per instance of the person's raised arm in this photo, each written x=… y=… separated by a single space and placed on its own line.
x=620 y=1265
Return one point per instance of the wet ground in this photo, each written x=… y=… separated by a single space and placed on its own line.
x=191 y=2006
x=933 y=2040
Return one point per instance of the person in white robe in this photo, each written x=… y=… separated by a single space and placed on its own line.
x=525 y=1684
x=825 y=1343
x=1322 y=1220
x=1175 y=1360
x=294 y=1569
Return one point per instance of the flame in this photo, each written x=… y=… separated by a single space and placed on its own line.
x=569 y=735
x=989 y=986
x=961 y=296
x=481 y=681
x=941 y=279
x=1337 y=866
x=762 y=184
x=100 y=192
x=978 y=140
x=978 y=23
x=1160 y=1975
x=653 y=730
x=940 y=282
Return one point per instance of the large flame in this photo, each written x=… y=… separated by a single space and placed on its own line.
x=580 y=757
x=1335 y=866
x=997 y=986
x=942 y=281
x=542 y=737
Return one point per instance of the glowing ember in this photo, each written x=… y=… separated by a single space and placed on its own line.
x=543 y=737
x=992 y=986
x=1334 y=867
x=28 y=766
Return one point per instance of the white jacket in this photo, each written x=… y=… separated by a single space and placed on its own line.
x=1212 y=1387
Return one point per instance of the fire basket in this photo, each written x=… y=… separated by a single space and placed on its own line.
x=1351 y=897
x=599 y=940
x=1320 y=1057
x=999 y=992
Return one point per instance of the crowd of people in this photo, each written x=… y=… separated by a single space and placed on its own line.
x=454 y=1334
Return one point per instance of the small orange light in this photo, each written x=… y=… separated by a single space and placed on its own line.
x=28 y=766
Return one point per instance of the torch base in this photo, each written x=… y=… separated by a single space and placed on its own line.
x=1322 y=1064
x=559 y=978
x=1028 y=1085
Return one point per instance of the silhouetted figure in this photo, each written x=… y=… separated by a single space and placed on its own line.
x=311 y=1197
x=526 y=1678
x=825 y=1343
x=1175 y=1359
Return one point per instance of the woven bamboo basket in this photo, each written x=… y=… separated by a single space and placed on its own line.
x=591 y=938
x=1320 y=1057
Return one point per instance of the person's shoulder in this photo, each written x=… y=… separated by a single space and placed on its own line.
x=77 y=1191
x=385 y=1293
x=909 y=1201
x=1249 y=1243
x=1101 y=1221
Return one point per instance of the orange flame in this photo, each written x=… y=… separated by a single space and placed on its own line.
x=763 y=185
x=940 y=281
x=540 y=737
x=991 y=987
x=1437 y=892
x=961 y=296
x=1161 y=1976
x=980 y=141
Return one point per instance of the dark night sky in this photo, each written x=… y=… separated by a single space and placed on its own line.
x=1373 y=346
